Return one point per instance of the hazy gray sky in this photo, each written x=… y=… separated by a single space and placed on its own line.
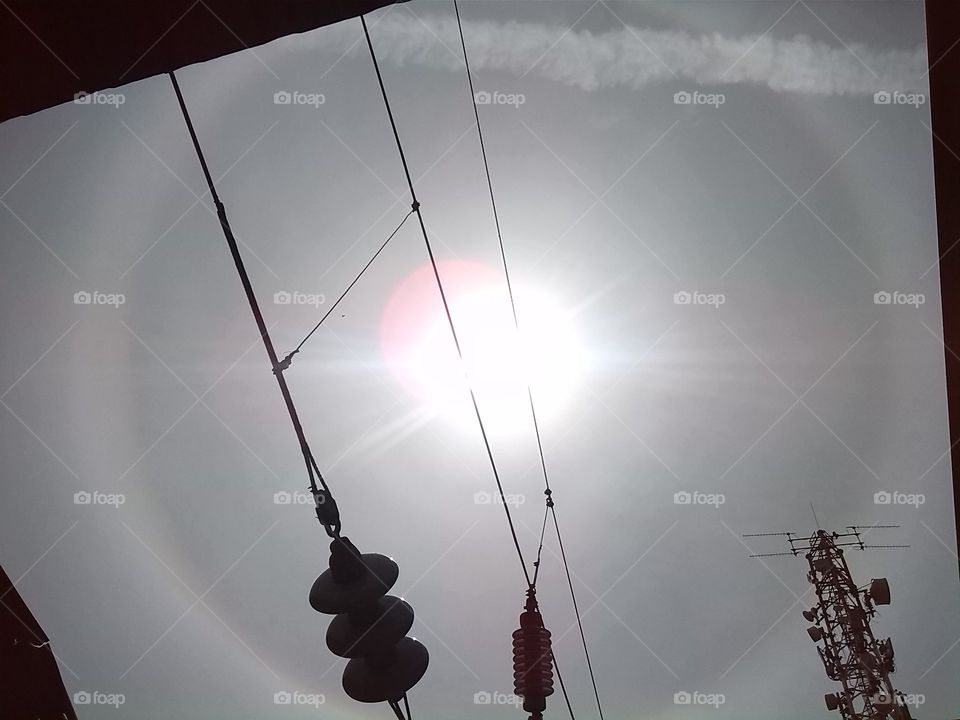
x=783 y=193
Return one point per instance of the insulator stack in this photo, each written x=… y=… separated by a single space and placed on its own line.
x=532 y=659
x=370 y=626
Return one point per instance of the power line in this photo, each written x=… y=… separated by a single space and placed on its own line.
x=516 y=321
x=324 y=500
x=326 y=507
x=395 y=706
x=285 y=363
x=563 y=688
x=543 y=531
x=415 y=204
x=576 y=609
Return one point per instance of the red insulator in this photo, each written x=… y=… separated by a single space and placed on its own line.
x=532 y=659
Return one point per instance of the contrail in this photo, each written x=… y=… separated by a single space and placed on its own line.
x=636 y=57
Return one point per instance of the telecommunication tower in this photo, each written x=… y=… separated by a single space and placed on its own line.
x=851 y=653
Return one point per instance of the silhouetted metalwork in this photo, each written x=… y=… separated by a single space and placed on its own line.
x=532 y=659
x=370 y=626
x=30 y=682
x=326 y=507
x=840 y=626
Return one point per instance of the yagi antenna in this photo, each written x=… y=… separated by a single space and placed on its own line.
x=804 y=543
x=886 y=546
x=871 y=527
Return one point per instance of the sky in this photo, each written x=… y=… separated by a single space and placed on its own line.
x=724 y=251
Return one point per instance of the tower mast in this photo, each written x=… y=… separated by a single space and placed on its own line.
x=851 y=653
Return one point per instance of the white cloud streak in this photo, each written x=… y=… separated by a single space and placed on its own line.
x=635 y=57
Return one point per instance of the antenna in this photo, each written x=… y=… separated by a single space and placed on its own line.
x=770 y=534
x=840 y=625
x=803 y=543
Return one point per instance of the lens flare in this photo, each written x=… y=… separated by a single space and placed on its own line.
x=498 y=362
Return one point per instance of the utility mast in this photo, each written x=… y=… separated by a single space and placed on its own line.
x=850 y=652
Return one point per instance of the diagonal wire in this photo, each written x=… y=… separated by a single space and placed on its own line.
x=536 y=572
x=543 y=530
x=533 y=412
x=415 y=205
x=576 y=609
x=332 y=528
x=443 y=296
x=285 y=363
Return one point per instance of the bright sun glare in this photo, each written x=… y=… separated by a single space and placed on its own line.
x=419 y=349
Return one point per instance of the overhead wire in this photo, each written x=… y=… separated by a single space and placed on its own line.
x=543 y=531
x=324 y=496
x=576 y=609
x=415 y=205
x=536 y=573
x=278 y=366
x=285 y=363
x=328 y=515
x=533 y=412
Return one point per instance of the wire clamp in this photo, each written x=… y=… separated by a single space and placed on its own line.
x=549 y=493
x=327 y=511
x=415 y=205
x=285 y=363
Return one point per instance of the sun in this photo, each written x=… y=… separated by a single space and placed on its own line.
x=499 y=362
